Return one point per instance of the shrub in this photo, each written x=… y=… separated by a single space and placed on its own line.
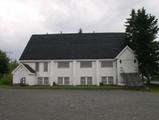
x=54 y=84
x=22 y=84
x=101 y=84
x=6 y=79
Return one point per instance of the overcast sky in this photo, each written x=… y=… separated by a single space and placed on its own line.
x=19 y=19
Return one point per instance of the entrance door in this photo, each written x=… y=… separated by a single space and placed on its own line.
x=23 y=81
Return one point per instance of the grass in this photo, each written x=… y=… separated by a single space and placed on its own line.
x=6 y=80
x=88 y=87
x=153 y=88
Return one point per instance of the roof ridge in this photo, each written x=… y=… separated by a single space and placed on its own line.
x=84 y=33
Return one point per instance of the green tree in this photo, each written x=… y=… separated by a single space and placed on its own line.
x=12 y=65
x=141 y=31
x=4 y=63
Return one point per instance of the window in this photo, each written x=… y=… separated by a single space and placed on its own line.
x=46 y=81
x=60 y=80
x=43 y=80
x=85 y=64
x=63 y=80
x=45 y=66
x=86 y=81
x=89 y=80
x=66 y=81
x=107 y=79
x=120 y=61
x=40 y=80
x=83 y=81
x=63 y=64
x=105 y=64
x=37 y=66
x=104 y=80
x=110 y=80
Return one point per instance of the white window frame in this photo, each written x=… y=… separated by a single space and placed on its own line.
x=106 y=64
x=107 y=80
x=85 y=64
x=89 y=80
x=104 y=80
x=65 y=80
x=86 y=80
x=60 y=80
x=83 y=81
x=46 y=79
x=63 y=64
x=41 y=80
x=45 y=66
x=112 y=81
x=37 y=66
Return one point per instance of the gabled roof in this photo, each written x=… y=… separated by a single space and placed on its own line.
x=26 y=67
x=29 y=68
x=121 y=52
x=74 y=46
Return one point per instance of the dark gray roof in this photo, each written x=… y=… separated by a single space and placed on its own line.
x=74 y=46
x=29 y=68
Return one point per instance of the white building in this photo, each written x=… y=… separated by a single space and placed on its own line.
x=77 y=59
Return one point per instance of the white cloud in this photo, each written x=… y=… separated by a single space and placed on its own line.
x=19 y=19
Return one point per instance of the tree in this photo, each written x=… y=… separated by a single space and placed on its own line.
x=4 y=63
x=141 y=31
x=12 y=65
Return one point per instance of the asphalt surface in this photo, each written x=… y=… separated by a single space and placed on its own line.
x=20 y=104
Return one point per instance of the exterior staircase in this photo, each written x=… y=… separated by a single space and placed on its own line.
x=132 y=80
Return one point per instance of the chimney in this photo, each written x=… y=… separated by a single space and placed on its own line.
x=80 y=31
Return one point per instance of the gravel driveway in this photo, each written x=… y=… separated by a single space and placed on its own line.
x=20 y=104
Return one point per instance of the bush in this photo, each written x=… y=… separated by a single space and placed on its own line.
x=54 y=84
x=23 y=84
x=101 y=84
x=6 y=80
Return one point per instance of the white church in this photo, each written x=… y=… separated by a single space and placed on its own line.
x=77 y=59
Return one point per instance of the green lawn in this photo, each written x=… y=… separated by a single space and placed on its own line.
x=153 y=88
x=62 y=87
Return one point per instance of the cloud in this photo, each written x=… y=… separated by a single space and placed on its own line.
x=19 y=19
